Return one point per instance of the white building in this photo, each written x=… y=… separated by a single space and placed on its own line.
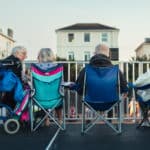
x=78 y=41
x=143 y=49
x=6 y=43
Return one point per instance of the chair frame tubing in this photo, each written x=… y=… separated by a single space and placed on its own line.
x=61 y=126
x=99 y=117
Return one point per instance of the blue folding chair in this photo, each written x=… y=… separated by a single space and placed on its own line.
x=48 y=95
x=101 y=93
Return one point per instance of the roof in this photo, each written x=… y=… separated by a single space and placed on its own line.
x=142 y=44
x=8 y=37
x=87 y=26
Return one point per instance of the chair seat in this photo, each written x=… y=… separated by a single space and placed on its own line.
x=101 y=106
x=50 y=104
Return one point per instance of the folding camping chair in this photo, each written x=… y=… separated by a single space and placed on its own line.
x=142 y=95
x=47 y=95
x=101 y=93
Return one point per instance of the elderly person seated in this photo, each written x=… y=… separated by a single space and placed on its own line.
x=46 y=58
x=101 y=58
x=19 y=53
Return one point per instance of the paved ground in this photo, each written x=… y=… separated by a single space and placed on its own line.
x=99 y=138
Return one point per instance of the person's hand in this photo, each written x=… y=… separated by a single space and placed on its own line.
x=72 y=86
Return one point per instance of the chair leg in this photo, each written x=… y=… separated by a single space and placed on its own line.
x=145 y=118
x=31 y=114
x=64 y=117
x=83 y=118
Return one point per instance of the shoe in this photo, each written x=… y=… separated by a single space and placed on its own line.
x=109 y=120
x=145 y=124
x=88 y=121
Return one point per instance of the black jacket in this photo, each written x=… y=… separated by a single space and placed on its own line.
x=14 y=64
x=99 y=60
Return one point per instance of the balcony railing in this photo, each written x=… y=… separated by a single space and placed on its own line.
x=131 y=70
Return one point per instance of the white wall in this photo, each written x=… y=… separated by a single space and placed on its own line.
x=78 y=46
x=5 y=46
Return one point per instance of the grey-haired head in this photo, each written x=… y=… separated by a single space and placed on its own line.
x=46 y=55
x=102 y=49
x=20 y=52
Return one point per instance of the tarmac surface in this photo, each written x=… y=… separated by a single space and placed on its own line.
x=100 y=137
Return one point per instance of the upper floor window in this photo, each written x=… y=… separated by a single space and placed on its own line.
x=86 y=56
x=70 y=37
x=86 y=37
x=104 y=37
x=70 y=56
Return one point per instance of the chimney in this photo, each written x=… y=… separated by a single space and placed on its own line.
x=10 y=32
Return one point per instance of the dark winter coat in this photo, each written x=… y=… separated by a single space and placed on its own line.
x=14 y=64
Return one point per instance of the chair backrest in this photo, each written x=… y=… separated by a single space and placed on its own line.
x=101 y=84
x=47 y=85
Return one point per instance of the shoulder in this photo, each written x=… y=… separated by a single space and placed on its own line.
x=12 y=58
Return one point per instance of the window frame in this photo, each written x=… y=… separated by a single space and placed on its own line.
x=70 y=37
x=104 y=37
x=88 y=55
x=71 y=56
x=87 y=39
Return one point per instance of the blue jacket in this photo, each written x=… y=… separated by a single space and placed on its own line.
x=8 y=82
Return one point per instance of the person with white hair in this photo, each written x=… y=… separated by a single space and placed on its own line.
x=14 y=63
x=101 y=58
x=18 y=54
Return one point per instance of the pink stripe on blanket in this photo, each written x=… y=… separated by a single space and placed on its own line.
x=22 y=105
x=57 y=70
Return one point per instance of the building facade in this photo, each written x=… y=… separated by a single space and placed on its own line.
x=78 y=41
x=143 y=50
x=6 y=43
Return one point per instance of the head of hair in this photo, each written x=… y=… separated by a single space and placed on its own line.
x=46 y=55
x=102 y=49
x=18 y=49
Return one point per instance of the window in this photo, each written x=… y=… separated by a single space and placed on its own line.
x=104 y=37
x=70 y=37
x=86 y=37
x=114 y=53
x=70 y=56
x=86 y=56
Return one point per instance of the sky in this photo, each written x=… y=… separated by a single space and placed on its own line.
x=34 y=21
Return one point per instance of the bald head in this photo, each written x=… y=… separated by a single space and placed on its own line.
x=102 y=49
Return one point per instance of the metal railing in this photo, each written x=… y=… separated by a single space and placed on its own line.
x=131 y=70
